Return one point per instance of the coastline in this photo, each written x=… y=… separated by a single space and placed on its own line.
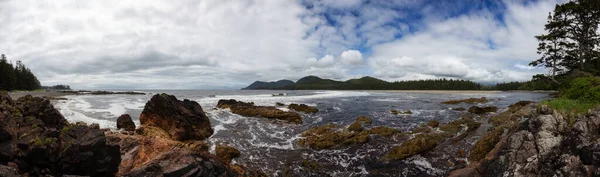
x=18 y=94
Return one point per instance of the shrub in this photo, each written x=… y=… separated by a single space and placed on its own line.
x=585 y=89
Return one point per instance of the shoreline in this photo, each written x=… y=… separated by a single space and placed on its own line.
x=19 y=94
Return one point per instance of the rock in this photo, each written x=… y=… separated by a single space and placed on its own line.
x=6 y=99
x=227 y=153
x=183 y=120
x=303 y=108
x=433 y=123
x=279 y=104
x=364 y=119
x=331 y=136
x=39 y=141
x=355 y=127
x=6 y=171
x=42 y=109
x=269 y=112
x=459 y=109
x=385 y=131
x=482 y=110
x=400 y=112
x=468 y=101
x=419 y=144
x=182 y=163
x=124 y=122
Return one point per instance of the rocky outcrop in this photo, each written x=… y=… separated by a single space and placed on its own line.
x=227 y=153
x=468 y=101
x=124 y=122
x=482 y=110
x=542 y=142
x=183 y=120
x=303 y=108
x=36 y=140
x=249 y=110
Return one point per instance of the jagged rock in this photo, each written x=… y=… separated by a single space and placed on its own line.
x=42 y=109
x=183 y=120
x=249 y=110
x=182 y=163
x=39 y=141
x=124 y=122
x=546 y=144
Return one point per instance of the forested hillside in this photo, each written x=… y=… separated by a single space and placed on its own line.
x=16 y=77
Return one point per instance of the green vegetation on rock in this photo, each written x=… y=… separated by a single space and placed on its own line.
x=303 y=108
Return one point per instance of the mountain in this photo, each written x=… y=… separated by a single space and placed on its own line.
x=258 y=85
x=365 y=83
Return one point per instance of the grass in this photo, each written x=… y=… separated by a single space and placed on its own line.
x=569 y=106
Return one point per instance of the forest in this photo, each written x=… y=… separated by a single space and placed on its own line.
x=16 y=77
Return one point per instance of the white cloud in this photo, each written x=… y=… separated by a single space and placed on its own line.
x=474 y=46
x=352 y=57
x=326 y=61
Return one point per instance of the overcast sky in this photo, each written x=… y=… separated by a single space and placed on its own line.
x=228 y=44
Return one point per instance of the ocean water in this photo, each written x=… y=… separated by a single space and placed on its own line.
x=271 y=146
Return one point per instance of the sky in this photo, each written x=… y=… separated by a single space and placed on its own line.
x=228 y=44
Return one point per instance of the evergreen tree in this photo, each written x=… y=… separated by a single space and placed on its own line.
x=18 y=77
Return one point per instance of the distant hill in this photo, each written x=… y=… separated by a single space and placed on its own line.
x=364 y=83
x=258 y=85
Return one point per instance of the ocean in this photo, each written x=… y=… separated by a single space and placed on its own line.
x=271 y=146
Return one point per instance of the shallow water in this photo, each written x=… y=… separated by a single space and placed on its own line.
x=271 y=146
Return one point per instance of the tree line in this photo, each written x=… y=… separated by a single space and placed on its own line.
x=16 y=77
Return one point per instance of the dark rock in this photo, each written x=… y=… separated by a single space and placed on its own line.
x=468 y=101
x=183 y=120
x=249 y=110
x=6 y=171
x=39 y=141
x=124 y=122
x=459 y=109
x=303 y=108
x=482 y=110
x=182 y=163
x=42 y=109
x=227 y=153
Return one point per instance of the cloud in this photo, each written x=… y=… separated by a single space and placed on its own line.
x=352 y=57
x=214 y=44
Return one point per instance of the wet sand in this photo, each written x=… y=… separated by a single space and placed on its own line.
x=19 y=94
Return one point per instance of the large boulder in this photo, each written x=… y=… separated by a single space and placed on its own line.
x=124 y=122
x=249 y=110
x=183 y=120
x=38 y=141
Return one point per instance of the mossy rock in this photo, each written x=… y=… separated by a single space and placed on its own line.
x=468 y=101
x=417 y=145
x=394 y=111
x=433 y=123
x=459 y=109
x=356 y=127
x=364 y=119
x=385 y=131
x=227 y=153
x=485 y=144
x=303 y=108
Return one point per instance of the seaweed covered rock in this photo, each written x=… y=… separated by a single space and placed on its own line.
x=249 y=110
x=468 y=101
x=303 y=108
x=183 y=120
x=124 y=122
x=364 y=119
x=482 y=110
x=419 y=144
x=433 y=123
x=395 y=112
x=385 y=131
x=355 y=127
x=40 y=142
x=227 y=153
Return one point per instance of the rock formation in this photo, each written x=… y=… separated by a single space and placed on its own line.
x=249 y=110
x=183 y=120
x=36 y=140
x=124 y=122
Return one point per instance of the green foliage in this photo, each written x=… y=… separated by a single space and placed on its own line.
x=569 y=105
x=370 y=83
x=585 y=89
x=18 y=77
x=38 y=142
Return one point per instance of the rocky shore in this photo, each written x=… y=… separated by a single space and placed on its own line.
x=526 y=140
x=36 y=140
